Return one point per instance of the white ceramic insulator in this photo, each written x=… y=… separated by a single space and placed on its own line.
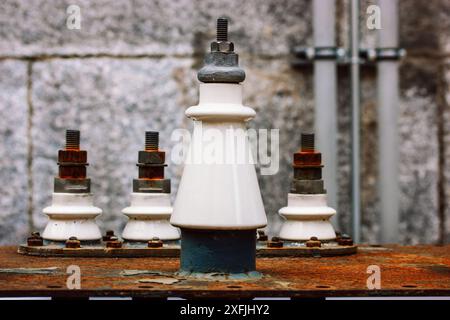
x=307 y=216
x=149 y=215
x=219 y=188
x=72 y=215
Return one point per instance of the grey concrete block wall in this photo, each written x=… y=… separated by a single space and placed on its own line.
x=38 y=28
x=14 y=148
x=132 y=67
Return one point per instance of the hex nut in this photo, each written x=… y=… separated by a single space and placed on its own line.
x=275 y=242
x=73 y=243
x=344 y=240
x=35 y=240
x=313 y=242
x=152 y=157
x=114 y=242
x=222 y=46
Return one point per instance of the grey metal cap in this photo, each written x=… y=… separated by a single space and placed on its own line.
x=72 y=185
x=222 y=63
x=151 y=186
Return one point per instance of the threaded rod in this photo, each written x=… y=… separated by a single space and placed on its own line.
x=72 y=140
x=222 y=29
x=307 y=140
x=151 y=140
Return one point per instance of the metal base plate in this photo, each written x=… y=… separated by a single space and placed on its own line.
x=173 y=251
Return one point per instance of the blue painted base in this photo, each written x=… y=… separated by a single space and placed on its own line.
x=222 y=251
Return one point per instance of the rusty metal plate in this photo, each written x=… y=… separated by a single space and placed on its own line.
x=173 y=250
x=167 y=251
x=405 y=271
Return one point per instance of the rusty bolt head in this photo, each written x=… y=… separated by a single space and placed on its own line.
x=155 y=243
x=275 y=243
x=344 y=240
x=114 y=242
x=262 y=236
x=222 y=46
x=313 y=242
x=73 y=243
x=35 y=240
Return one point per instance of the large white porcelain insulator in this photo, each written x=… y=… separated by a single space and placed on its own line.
x=219 y=188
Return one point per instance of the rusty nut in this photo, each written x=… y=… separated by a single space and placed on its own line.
x=151 y=157
x=114 y=242
x=73 y=243
x=275 y=242
x=344 y=240
x=307 y=158
x=155 y=243
x=35 y=240
x=313 y=242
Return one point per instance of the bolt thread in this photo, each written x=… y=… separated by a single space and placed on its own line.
x=72 y=140
x=307 y=141
x=222 y=29
x=151 y=140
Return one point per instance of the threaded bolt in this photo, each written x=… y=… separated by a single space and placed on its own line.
x=151 y=140
x=307 y=141
x=222 y=29
x=72 y=140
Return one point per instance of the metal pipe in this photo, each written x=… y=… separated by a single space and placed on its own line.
x=325 y=94
x=355 y=89
x=387 y=96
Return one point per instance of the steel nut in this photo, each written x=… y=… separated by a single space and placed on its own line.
x=222 y=46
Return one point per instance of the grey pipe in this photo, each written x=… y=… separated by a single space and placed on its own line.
x=325 y=94
x=355 y=89
x=387 y=95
